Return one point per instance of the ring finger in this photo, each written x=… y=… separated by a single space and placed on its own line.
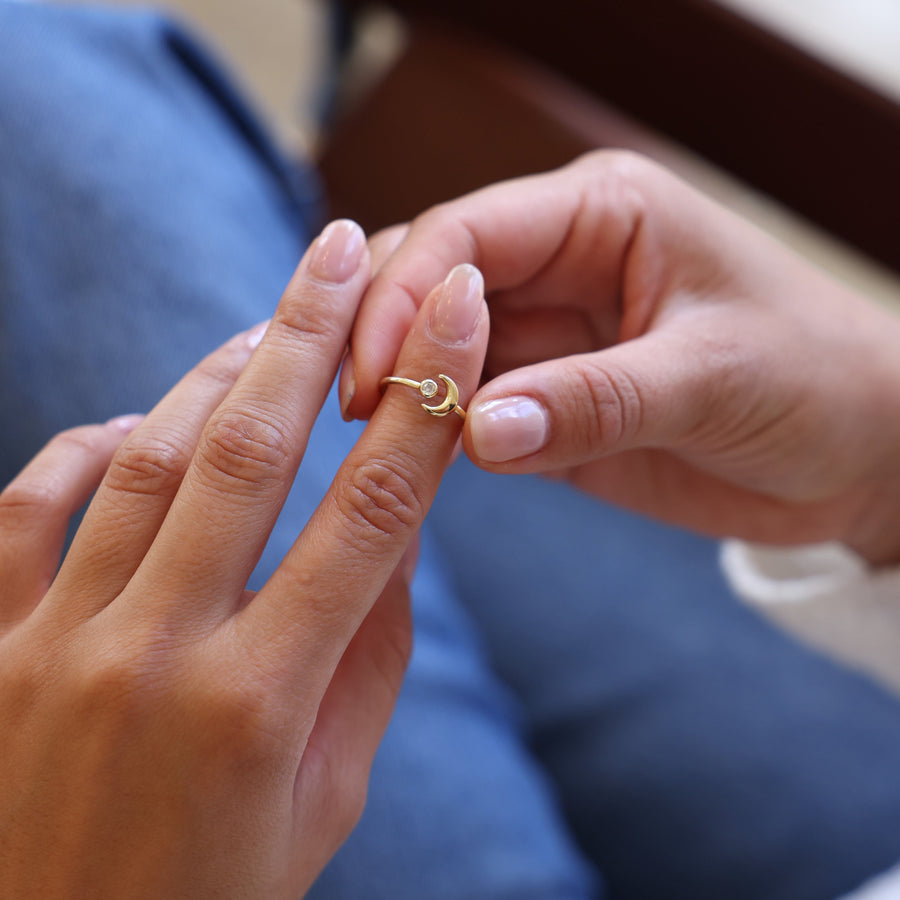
x=134 y=497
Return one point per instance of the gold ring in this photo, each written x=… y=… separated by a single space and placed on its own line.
x=428 y=389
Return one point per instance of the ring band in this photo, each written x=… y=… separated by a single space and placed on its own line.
x=428 y=389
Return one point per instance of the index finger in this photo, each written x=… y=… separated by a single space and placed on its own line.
x=509 y=231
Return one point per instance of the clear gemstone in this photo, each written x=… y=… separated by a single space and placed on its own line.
x=428 y=388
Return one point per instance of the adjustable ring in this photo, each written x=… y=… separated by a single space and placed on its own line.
x=428 y=389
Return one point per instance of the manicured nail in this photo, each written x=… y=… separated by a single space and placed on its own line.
x=508 y=429
x=337 y=252
x=255 y=335
x=347 y=386
x=127 y=424
x=458 y=305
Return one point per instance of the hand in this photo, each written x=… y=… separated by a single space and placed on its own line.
x=163 y=731
x=659 y=353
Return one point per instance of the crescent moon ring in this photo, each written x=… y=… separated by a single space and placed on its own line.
x=428 y=388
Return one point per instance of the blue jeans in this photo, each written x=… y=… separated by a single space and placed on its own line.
x=587 y=712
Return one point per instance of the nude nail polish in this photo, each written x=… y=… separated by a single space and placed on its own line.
x=337 y=252
x=458 y=305
x=509 y=428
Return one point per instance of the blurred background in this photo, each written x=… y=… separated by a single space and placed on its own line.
x=282 y=50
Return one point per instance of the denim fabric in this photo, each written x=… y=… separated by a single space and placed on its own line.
x=584 y=696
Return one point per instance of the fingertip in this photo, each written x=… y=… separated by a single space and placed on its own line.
x=337 y=253
x=457 y=305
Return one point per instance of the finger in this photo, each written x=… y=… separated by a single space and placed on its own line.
x=513 y=232
x=332 y=779
x=649 y=392
x=310 y=608
x=250 y=449
x=381 y=246
x=129 y=507
x=35 y=509
x=522 y=338
x=654 y=483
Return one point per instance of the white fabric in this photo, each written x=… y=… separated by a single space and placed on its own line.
x=885 y=887
x=827 y=597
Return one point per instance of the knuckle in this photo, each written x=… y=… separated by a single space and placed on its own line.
x=381 y=499
x=624 y=165
x=27 y=498
x=448 y=219
x=229 y=715
x=243 y=722
x=152 y=465
x=145 y=681
x=436 y=215
x=307 y=316
x=26 y=673
x=618 y=405
x=30 y=495
x=113 y=682
x=243 y=448
x=84 y=439
x=221 y=368
x=621 y=182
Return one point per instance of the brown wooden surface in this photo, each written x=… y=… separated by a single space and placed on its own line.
x=774 y=116
x=453 y=115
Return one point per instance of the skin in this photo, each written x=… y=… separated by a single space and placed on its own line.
x=688 y=366
x=163 y=731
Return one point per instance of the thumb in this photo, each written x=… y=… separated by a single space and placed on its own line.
x=654 y=391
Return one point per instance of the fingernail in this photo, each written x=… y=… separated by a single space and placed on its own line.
x=508 y=429
x=347 y=386
x=127 y=424
x=337 y=252
x=458 y=305
x=255 y=335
